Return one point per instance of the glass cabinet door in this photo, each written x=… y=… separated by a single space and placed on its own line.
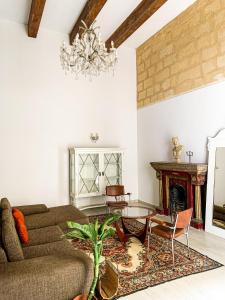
x=112 y=168
x=88 y=173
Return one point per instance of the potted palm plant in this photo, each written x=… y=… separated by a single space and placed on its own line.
x=96 y=233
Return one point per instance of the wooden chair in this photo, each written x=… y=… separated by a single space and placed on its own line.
x=117 y=192
x=172 y=231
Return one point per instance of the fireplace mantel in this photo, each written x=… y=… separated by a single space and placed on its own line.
x=180 y=167
x=192 y=177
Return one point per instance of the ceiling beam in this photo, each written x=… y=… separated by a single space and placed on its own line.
x=138 y=16
x=36 y=11
x=88 y=15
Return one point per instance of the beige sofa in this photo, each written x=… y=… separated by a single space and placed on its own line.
x=48 y=267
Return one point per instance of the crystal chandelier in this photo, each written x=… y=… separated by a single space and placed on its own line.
x=88 y=54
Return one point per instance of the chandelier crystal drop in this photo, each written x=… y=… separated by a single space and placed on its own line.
x=88 y=54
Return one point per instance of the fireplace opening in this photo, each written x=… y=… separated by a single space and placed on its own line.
x=178 y=199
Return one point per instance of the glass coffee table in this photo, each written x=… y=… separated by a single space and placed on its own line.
x=134 y=212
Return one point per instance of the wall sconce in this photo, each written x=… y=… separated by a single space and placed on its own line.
x=94 y=137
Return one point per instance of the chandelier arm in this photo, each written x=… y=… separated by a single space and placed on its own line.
x=94 y=53
x=88 y=54
x=83 y=44
x=82 y=56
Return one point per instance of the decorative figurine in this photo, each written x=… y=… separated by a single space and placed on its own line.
x=177 y=149
x=189 y=154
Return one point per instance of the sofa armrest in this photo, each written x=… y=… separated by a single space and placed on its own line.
x=33 y=209
x=38 y=276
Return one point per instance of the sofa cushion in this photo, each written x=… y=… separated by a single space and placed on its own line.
x=10 y=238
x=17 y=214
x=56 y=215
x=44 y=235
x=69 y=213
x=33 y=209
x=20 y=225
x=64 y=226
x=40 y=220
x=58 y=247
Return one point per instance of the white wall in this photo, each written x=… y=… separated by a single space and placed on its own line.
x=43 y=112
x=192 y=117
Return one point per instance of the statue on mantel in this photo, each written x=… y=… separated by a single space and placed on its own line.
x=177 y=149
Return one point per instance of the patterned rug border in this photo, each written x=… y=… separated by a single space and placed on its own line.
x=195 y=273
x=173 y=279
x=221 y=265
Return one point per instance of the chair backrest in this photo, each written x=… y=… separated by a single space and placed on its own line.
x=184 y=218
x=114 y=190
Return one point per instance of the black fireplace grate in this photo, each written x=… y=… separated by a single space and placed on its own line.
x=178 y=198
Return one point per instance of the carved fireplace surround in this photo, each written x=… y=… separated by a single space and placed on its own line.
x=188 y=176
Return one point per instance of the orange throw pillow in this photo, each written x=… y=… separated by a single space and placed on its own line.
x=20 y=225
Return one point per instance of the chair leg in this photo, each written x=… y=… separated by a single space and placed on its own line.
x=148 y=241
x=149 y=255
x=148 y=245
x=171 y=214
x=149 y=232
x=172 y=242
x=187 y=238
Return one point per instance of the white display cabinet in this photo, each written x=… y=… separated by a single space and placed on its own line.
x=91 y=170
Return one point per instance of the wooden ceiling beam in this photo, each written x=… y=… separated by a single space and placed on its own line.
x=138 y=16
x=36 y=11
x=88 y=15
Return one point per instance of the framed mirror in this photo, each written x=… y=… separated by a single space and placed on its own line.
x=215 y=200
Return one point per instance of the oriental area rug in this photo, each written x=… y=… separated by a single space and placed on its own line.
x=139 y=269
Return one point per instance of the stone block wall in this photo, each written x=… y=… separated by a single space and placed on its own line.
x=186 y=54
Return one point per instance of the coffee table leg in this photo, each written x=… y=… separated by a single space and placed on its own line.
x=125 y=230
x=143 y=234
x=126 y=233
x=122 y=236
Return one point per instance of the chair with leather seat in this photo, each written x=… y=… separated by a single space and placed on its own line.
x=173 y=230
x=118 y=193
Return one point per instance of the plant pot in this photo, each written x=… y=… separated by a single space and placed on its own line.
x=81 y=297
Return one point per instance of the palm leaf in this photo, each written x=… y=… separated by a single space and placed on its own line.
x=108 y=221
x=76 y=234
x=107 y=233
x=84 y=229
x=96 y=225
x=93 y=232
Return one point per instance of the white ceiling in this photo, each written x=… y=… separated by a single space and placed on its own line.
x=61 y=15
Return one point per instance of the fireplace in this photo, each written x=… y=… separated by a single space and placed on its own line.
x=178 y=198
x=181 y=186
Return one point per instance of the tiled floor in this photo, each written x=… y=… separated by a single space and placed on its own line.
x=204 y=286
